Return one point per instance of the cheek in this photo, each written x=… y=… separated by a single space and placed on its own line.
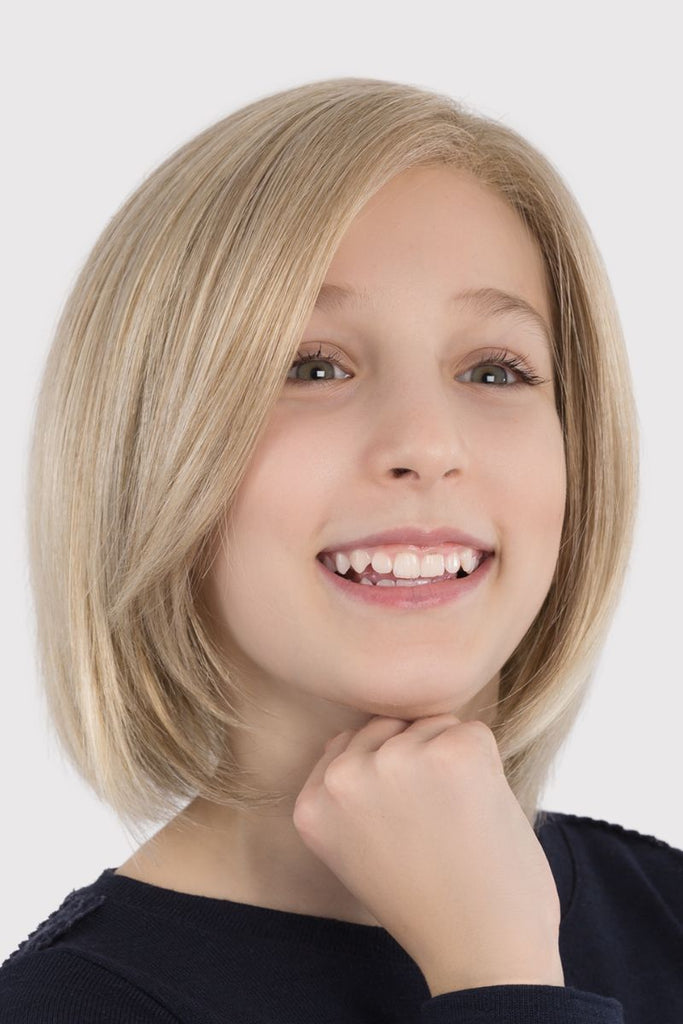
x=529 y=479
x=290 y=486
x=524 y=457
x=284 y=489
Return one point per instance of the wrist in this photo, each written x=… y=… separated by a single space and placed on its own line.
x=446 y=979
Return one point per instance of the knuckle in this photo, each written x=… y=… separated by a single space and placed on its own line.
x=303 y=814
x=391 y=756
x=479 y=730
x=465 y=742
x=340 y=774
x=481 y=739
x=443 y=749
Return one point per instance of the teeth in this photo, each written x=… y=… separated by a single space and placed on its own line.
x=397 y=583
x=469 y=560
x=408 y=568
x=380 y=562
x=341 y=563
x=452 y=562
x=432 y=565
x=360 y=559
x=405 y=565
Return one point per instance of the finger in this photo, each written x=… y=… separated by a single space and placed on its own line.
x=376 y=732
x=474 y=734
x=424 y=729
x=337 y=740
x=333 y=748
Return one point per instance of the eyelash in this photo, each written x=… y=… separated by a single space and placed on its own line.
x=498 y=357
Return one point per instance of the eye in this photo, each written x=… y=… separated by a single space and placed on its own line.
x=501 y=369
x=492 y=373
x=317 y=365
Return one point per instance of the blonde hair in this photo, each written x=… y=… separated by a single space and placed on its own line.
x=167 y=360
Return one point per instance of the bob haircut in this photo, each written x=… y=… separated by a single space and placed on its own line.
x=168 y=357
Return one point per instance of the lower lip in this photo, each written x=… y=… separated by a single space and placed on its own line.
x=424 y=595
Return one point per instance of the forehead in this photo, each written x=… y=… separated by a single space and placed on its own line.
x=438 y=234
x=483 y=302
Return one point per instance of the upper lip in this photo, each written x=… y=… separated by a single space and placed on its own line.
x=417 y=535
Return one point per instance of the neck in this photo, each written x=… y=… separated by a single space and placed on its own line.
x=256 y=856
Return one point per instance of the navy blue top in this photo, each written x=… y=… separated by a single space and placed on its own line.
x=119 y=950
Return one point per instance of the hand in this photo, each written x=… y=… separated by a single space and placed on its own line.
x=418 y=821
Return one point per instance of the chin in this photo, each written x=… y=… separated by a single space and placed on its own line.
x=413 y=697
x=410 y=710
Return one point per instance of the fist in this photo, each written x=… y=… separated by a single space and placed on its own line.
x=418 y=821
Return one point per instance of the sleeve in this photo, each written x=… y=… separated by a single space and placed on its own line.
x=521 y=1004
x=53 y=986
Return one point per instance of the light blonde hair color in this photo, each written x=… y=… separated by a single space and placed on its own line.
x=168 y=357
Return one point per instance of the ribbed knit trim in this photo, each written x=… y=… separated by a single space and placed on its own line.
x=221 y=915
x=213 y=915
x=522 y=1004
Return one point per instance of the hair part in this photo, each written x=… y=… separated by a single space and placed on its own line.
x=147 y=416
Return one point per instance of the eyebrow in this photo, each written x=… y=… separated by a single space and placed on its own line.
x=486 y=302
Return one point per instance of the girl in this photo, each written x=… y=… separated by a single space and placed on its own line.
x=332 y=490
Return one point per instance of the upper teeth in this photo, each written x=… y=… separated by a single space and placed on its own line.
x=408 y=563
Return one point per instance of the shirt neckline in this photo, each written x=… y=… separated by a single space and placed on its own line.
x=208 y=912
x=224 y=915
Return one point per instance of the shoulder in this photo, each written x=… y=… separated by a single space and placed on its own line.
x=41 y=981
x=608 y=858
x=596 y=834
x=62 y=986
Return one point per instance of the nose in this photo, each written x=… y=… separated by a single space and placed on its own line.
x=419 y=430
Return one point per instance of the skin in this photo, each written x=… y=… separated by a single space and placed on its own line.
x=486 y=458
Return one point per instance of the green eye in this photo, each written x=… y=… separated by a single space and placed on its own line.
x=316 y=370
x=316 y=364
x=491 y=374
x=501 y=369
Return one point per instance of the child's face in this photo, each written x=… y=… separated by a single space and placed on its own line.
x=484 y=458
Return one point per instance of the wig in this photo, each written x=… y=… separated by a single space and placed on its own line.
x=168 y=357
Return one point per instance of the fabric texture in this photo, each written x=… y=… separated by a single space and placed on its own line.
x=119 y=950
